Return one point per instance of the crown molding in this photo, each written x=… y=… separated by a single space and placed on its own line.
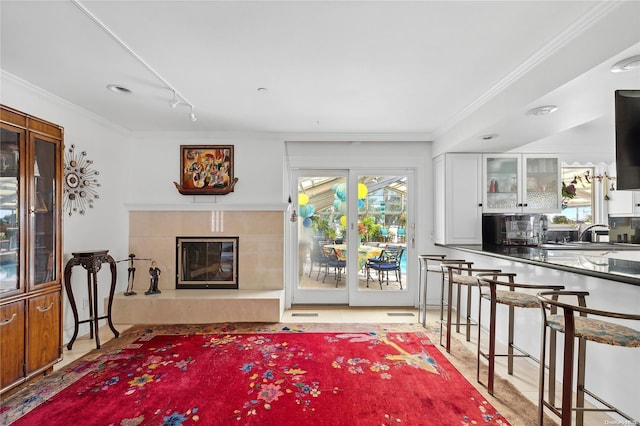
x=56 y=100
x=595 y=14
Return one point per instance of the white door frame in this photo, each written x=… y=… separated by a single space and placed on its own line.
x=353 y=296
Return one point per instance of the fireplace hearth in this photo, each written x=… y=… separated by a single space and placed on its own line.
x=207 y=262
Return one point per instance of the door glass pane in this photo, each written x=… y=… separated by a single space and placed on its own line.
x=502 y=183
x=382 y=232
x=9 y=224
x=44 y=217
x=322 y=219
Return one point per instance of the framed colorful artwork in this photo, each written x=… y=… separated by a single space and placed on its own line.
x=206 y=170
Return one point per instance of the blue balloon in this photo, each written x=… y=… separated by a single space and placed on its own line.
x=307 y=222
x=310 y=210
x=360 y=204
x=306 y=210
x=341 y=191
x=336 y=203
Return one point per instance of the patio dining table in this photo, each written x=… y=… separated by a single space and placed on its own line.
x=364 y=253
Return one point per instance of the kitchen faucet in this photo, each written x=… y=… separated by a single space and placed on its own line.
x=582 y=233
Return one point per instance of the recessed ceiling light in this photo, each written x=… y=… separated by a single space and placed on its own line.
x=262 y=89
x=631 y=63
x=543 y=110
x=489 y=137
x=118 y=89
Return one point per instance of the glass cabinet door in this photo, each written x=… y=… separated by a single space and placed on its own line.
x=12 y=144
x=43 y=210
x=501 y=183
x=542 y=184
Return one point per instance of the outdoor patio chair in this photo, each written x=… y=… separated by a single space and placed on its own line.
x=389 y=260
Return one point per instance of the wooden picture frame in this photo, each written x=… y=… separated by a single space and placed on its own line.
x=206 y=170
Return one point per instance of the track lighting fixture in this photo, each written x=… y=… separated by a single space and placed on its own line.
x=177 y=97
x=175 y=101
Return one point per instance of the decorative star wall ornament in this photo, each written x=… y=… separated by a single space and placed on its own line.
x=80 y=182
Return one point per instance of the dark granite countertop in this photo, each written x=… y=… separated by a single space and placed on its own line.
x=609 y=261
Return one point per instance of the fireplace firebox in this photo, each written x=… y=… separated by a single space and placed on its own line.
x=207 y=262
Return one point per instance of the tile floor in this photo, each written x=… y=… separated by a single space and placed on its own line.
x=525 y=376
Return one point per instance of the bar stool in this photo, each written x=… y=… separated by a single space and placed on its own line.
x=584 y=329
x=504 y=293
x=459 y=273
x=425 y=268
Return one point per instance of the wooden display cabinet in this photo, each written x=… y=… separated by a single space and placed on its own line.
x=31 y=167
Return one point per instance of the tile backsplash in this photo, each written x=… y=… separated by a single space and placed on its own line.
x=624 y=229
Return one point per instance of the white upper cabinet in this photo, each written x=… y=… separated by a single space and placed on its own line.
x=624 y=203
x=457 y=198
x=515 y=183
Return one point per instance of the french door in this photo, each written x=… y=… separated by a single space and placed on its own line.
x=347 y=221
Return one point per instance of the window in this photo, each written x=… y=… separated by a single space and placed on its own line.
x=577 y=200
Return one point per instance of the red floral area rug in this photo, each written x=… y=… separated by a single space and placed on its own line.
x=291 y=377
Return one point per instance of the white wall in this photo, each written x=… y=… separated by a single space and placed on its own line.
x=106 y=225
x=154 y=164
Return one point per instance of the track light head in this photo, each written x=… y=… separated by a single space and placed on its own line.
x=175 y=101
x=193 y=115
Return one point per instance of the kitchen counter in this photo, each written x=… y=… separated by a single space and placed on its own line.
x=609 y=273
x=617 y=262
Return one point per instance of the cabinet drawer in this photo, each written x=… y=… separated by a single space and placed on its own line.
x=43 y=331
x=11 y=343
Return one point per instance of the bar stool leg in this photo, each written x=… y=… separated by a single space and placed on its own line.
x=582 y=346
x=492 y=345
x=541 y=374
x=510 y=345
x=441 y=306
x=468 y=333
x=449 y=313
x=422 y=294
x=458 y=291
x=551 y=395
x=567 y=373
x=478 y=349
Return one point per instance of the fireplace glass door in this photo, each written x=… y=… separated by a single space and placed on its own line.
x=207 y=262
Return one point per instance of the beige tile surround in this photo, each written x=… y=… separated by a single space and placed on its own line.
x=152 y=235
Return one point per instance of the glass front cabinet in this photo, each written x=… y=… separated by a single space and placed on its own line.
x=31 y=166
x=519 y=183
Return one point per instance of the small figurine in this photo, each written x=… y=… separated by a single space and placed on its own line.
x=154 y=274
x=132 y=276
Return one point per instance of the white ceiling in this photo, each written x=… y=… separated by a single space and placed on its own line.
x=447 y=71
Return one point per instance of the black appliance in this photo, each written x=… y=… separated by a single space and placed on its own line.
x=627 y=119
